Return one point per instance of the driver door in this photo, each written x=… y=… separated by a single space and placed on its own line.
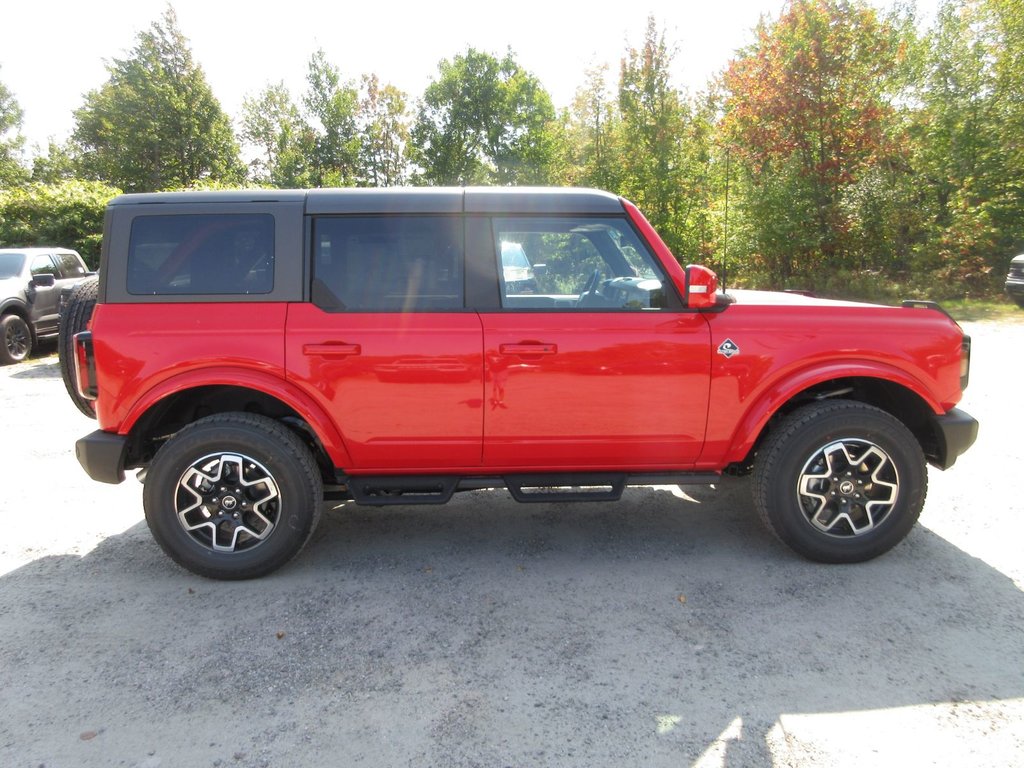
x=594 y=364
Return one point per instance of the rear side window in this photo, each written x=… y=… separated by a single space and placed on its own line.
x=201 y=254
x=70 y=266
x=388 y=263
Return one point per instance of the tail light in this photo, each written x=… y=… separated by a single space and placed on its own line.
x=965 y=362
x=85 y=365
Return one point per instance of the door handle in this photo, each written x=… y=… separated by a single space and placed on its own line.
x=528 y=348
x=331 y=349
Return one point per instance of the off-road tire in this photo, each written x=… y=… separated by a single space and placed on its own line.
x=826 y=507
x=74 y=319
x=285 y=479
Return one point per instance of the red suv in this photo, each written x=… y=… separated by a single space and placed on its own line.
x=252 y=353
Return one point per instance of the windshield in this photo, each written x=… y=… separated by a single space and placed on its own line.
x=11 y=264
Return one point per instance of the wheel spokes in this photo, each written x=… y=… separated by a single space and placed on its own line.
x=16 y=341
x=848 y=487
x=227 y=502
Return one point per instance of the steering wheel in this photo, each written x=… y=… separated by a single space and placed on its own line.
x=590 y=287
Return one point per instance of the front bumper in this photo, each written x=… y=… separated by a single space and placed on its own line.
x=956 y=432
x=102 y=456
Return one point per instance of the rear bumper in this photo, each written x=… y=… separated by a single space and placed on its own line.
x=102 y=456
x=957 y=431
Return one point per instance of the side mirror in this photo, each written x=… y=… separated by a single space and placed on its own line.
x=44 y=281
x=701 y=285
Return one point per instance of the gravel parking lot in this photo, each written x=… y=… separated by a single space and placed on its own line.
x=667 y=629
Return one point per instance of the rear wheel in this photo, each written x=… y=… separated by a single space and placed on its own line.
x=233 y=496
x=17 y=339
x=840 y=481
x=75 y=318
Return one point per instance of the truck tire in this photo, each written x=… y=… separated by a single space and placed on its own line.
x=73 y=319
x=15 y=339
x=840 y=481
x=233 y=496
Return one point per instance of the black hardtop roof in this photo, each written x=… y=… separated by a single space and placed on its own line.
x=519 y=200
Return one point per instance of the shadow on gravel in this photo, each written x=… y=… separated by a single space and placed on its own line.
x=41 y=370
x=488 y=633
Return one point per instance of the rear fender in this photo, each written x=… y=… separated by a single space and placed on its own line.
x=274 y=387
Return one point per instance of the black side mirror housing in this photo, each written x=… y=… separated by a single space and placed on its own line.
x=44 y=281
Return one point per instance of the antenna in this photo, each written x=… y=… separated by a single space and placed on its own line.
x=725 y=236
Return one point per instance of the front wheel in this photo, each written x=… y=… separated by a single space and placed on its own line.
x=17 y=339
x=840 y=481
x=233 y=496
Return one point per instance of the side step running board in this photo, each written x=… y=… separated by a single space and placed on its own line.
x=548 y=488
x=383 y=490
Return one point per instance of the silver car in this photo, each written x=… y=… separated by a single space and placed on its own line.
x=31 y=280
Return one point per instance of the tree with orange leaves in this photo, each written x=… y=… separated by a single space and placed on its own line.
x=805 y=117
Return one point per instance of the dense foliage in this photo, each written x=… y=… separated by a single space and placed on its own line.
x=68 y=214
x=845 y=150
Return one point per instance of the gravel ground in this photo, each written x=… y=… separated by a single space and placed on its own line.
x=667 y=629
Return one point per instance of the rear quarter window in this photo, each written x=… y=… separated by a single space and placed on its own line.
x=197 y=254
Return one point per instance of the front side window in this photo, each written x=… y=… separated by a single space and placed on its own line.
x=200 y=254
x=43 y=265
x=388 y=263
x=575 y=264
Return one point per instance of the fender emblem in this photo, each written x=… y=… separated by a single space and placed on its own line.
x=727 y=348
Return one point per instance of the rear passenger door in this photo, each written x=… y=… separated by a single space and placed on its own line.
x=386 y=346
x=591 y=360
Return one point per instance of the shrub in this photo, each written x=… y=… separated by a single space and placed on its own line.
x=67 y=214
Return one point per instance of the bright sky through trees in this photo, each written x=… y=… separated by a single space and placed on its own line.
x=53 y=51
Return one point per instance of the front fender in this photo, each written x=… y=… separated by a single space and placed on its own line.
x=736 y=445
x=270 y=385
x=15 y=306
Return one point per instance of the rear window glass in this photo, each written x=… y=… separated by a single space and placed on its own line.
x=230 y=253
x=388 y=264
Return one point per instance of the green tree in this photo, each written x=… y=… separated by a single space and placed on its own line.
x=954 y=127
x=1006 y=41
x=272 y=123
x=331 y=108
x=155 y=124
x=61 y=162
x=807 y=116
x=955 y=154
x=665 y=147
x=593 y=127
x=12 y=172
x=484 y=121
x=385 y=134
